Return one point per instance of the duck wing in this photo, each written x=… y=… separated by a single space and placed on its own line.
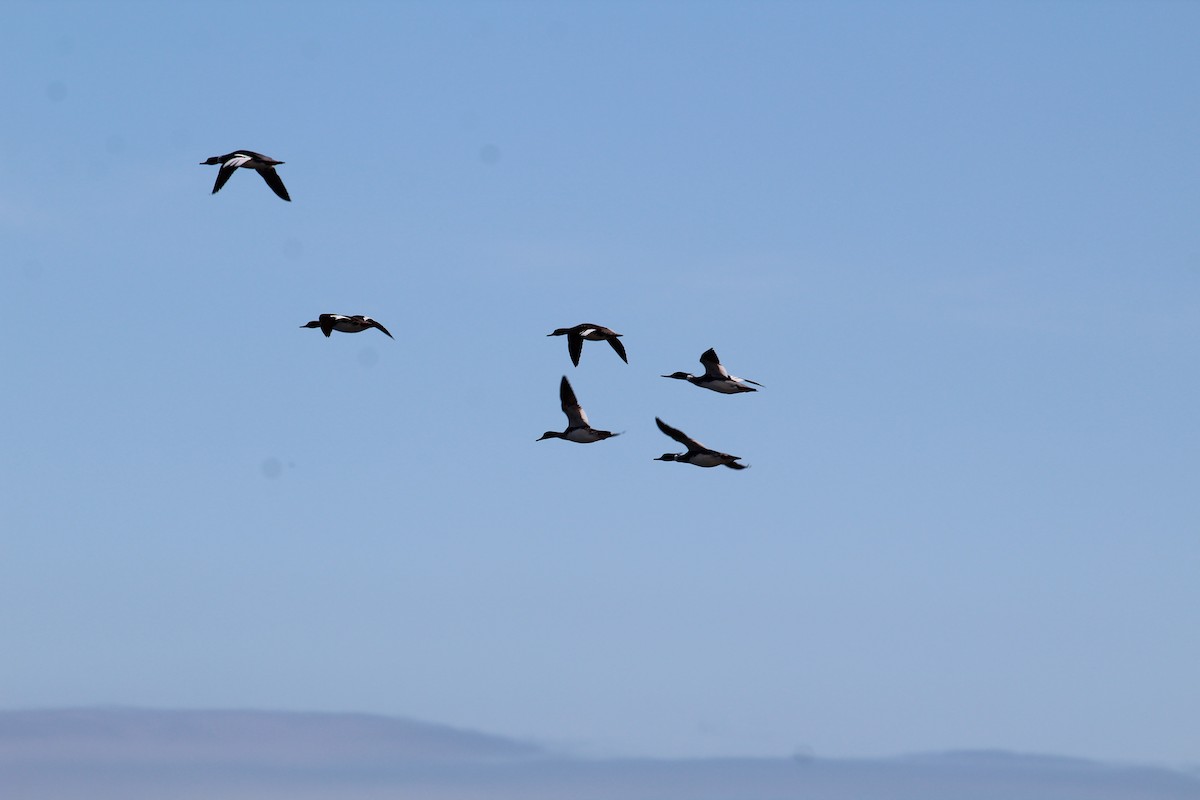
x=574 y=347
x=223 y=176
x=691 y=444
x=712 y=364
x=620 y=348
x=274 y=181
x=327 y=322
x=228 y=167
x=576 y=418
x=372 y=323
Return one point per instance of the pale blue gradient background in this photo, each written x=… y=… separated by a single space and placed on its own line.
x=957 y=242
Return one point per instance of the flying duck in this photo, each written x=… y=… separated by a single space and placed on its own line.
x=715 y=376
x=578 y=429
x=594 y=333
x=356 y=323
x=265 y=165
x=696 y=453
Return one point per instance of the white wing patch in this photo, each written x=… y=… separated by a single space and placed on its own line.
x=576 y=417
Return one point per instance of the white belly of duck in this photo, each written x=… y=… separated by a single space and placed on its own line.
x=726 y=387
x=583 y=436
x=707 y=460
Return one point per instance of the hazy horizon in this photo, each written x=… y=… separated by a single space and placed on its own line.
x=136 y=753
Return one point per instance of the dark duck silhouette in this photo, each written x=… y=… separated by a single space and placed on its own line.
x=264 y=165
x=355 y=323
x=593 y=333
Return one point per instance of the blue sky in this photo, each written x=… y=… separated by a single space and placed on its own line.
x=956 y=242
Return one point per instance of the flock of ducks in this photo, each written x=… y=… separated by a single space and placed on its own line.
x=715 y=378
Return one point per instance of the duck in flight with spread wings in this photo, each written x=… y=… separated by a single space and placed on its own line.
x=355 y=323
x=697 y=454
x=264 y=165
x=593 y=333
x=578 y=429
x=715 y=376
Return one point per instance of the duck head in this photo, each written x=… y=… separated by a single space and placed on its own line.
x=683 y=376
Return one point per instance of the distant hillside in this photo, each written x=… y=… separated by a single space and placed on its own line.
x=274 y=738
x=124 y=754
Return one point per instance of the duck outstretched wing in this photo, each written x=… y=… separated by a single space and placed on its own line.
x=620 y=348
x=679 y=436
x=576 y=417
x=275 y=182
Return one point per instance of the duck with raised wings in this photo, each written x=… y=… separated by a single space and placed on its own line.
x=697 y=454
x=578 y=429
x=715 y=376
